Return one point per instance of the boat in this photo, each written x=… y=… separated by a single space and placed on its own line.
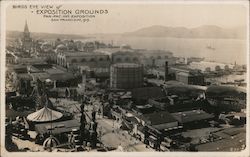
x=211 y=48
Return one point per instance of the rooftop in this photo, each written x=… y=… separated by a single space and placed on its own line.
x=25 y=76
x=147 y=92
x=156 y=52
x=127 y=65
x=87 y=65
x=61 y=76
x=110 y=51
x=42 y=66
x=144 y=106
x=21 y=69
x=54 y=71
x=159 y=118
x=41 y=76
x=76 y=54
x=126 y=52
x=9 y=55
x=232 y=139
x=180 y=89
x=190 y=116
x=223 y=91
x=184 y=74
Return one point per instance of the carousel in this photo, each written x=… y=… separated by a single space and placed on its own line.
x=49 y=128
x=44 y=115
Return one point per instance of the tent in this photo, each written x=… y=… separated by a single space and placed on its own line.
x=44 y=115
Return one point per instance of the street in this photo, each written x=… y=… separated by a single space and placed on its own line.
x=111 y=134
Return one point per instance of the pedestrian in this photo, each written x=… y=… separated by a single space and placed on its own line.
x=71 y=139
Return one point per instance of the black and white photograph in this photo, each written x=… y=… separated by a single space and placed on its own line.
x=162 y=77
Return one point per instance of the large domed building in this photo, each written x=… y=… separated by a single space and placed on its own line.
x=46 y=47
x=61 y=48
x=226 y=98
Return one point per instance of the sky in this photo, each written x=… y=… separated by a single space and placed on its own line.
x=130 y=17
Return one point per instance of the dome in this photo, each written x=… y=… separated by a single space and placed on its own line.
x=226 y=98
x=78 y=41
x=46 y=44
x=60 y=46
x=89 y=43
x=44 y=115
x=223 y=91
x=50 y=142
x=48 y=80
x=125 y=46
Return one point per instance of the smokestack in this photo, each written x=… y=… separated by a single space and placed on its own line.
x=166 y=71
x=153 y=62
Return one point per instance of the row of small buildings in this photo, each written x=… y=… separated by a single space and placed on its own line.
x=158 y=115
x=154 y=125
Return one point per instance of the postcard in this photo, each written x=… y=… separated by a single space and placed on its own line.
x=108 y=78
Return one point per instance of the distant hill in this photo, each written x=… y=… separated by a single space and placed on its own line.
x=206 y=31
x=48 y=36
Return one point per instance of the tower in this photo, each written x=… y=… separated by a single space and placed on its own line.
x=26 y=39
x=26 y=32
x=166 y=71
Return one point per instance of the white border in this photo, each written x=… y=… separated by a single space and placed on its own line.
x=4 y=153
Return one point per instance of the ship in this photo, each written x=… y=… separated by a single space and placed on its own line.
x=211 y=48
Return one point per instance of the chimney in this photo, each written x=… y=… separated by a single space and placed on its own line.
x=166 y=71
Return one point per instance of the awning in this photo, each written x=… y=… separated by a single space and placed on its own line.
x=57 y=127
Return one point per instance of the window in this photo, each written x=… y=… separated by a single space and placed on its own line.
x=73 y=61
x=127 y=59
x=135 y=59
x=92 y=59
x=118 y=60
x=83 y=60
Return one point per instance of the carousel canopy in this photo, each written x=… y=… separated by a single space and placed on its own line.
x=44 y=115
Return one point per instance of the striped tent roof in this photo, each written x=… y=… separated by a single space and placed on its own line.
x=44 y=115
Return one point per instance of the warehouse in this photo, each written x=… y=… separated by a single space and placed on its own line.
x=145 y=93
x=194 y=118
x=160 y=120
